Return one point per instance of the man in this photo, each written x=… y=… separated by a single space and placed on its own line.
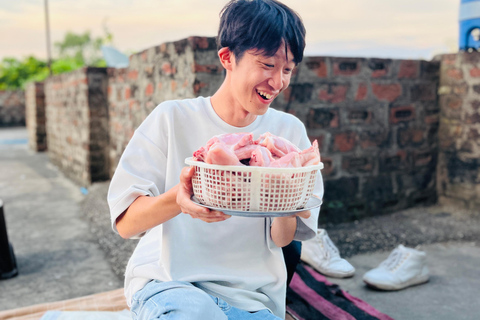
x=192 y=262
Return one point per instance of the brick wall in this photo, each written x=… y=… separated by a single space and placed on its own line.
x=77 y=124
x=35 y=116
x=376 y=121
x=12 y=108
x=459 y=156
x=177 y=70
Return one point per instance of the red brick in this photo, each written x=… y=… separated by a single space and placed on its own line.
x=346 y=67
x=199 y=42
x=334 y=94
x=167 y=69
x=449 y=59
x=173 y=85
x=361 y=92
x=317 y=65
x=149 y=89
x=455 y=74
x=408 y=69
x=208 y=68
x=379 y=73
x=127 y=93
x=475 y=72
x=345 y=141
x=133 y=75
x=399 y=114
x=387 y=92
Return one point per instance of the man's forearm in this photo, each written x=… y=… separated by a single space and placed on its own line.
x=148 y=212
x=283 y=230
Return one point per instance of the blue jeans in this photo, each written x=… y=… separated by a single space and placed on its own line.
x=183 y=301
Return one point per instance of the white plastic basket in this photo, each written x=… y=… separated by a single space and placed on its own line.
x=250 y=188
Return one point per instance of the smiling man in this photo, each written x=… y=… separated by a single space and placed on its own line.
x=192 y=262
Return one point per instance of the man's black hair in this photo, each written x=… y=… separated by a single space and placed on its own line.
x=262 y=25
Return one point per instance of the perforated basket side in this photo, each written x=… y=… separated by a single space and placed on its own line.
x=253 y=188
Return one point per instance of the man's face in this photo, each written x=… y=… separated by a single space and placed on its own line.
x=257 y=79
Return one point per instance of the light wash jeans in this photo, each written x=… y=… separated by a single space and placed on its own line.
x=178 y=300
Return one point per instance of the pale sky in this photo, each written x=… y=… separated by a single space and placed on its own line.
x=406 y=29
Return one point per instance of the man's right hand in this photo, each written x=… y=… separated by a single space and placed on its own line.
x=184 y=194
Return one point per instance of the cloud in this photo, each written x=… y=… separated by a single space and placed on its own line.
x=405 y=26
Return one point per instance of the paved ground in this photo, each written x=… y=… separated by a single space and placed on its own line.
x=57 y=255
x=65 y=247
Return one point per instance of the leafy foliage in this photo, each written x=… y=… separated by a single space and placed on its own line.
x=74 y=52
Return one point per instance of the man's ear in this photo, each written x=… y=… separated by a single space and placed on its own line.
x=226 y=58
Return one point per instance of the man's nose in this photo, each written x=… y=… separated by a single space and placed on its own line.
x=277 y=80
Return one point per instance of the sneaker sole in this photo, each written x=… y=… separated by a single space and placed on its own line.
x=332 y=274
x=386 y=287
x=337 y=275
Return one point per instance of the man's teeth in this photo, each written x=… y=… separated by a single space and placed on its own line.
x=265 y=95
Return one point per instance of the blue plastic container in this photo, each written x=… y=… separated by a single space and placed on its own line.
x=469 y=20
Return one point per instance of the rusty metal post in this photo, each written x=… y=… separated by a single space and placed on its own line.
x=8 y=265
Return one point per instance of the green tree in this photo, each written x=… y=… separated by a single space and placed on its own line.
x=15 y=73
x=83 y=49
x=74 y=51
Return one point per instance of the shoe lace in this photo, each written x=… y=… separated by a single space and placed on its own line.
x=394 y=260
x=330 y=249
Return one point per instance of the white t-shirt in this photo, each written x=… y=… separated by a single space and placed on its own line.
x=235 y=259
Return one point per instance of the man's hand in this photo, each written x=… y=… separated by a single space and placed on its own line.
x=185 y=192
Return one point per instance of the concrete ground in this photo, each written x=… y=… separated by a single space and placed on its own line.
x=65 y=247
x=57 y=255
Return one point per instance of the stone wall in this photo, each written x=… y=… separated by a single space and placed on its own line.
x=35 y=116
x=77 y=124
x=459 y=154
x=177 y=70
x=12 y=108
x=376 y=121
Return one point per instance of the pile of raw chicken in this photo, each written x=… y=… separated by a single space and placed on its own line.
x=267 y=151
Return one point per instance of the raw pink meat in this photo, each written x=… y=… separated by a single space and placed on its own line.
x=278 y=146
x=267 y=151
x=241 y=143
x=221 y=154
x=307 y=157
x=261 y=157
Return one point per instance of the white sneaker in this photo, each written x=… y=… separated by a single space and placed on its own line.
x=404 y=267
x=323 y=256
